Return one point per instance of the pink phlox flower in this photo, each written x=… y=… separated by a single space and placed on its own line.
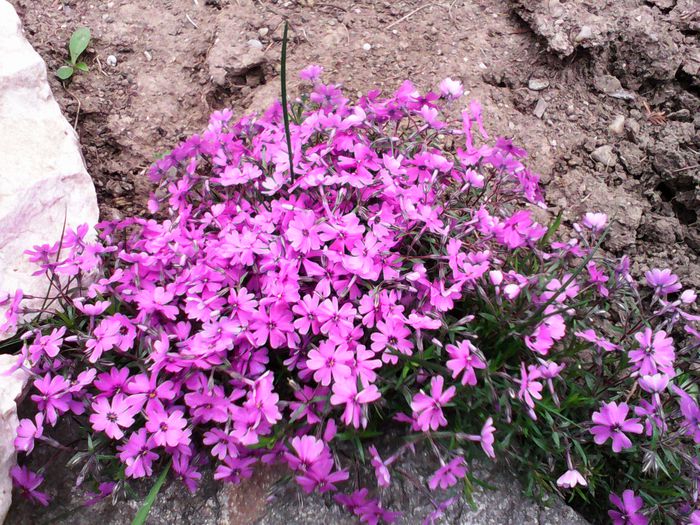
x=307 y=310
x=311 y=73
x=334 y=319
x=330 y=361
x=611 y=423
x=222 y=443
x=381 y=470
x=48 y=345
x=138 y=455
x=54 y=398
x=92 y=310
x=427 y=409
x=28 y=482
x=156 y=301
x=600 y=342
x=451 y=89
x=663 y=281
x=487 y=439
x=321 y=476
x=235 y=470
x=655 y=353
x=207 y=406
x=447 y=475
x=364 y=365
x=185 y=466
x=391 y=336
x=145 y=387
x=167 y=428
x=570 y=479
x=27 y=431
x=346 y=393
x=530 y=386
x=553 y=286
x=464 y=359
x=628 y=509
x=114 y=382
x=105 y=336
x=595 y=222
x=112 y=416
x=306 y=452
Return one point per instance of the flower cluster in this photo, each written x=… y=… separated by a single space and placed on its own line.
x=393 y=276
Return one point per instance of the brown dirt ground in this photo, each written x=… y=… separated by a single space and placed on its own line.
x=177 y=60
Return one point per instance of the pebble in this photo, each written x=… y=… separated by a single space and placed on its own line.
x=586 y=33
x=605 y=155
x=540 y=108
x=263 y=31
x=148 y=56
x=537 y=84
x=366 y=46
x=111 y=61
x=617 y=126
x=255 y=43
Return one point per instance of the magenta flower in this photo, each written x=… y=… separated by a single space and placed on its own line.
x=381 y=470
x=330 y=361
x=487 y=438
x=427 y=409
x=93 y=310
x=167 y=428
x=530 y=387
x=307 y=310
x=663 y=281
x=28 y=431
x=346 y=393
x=111 y=416
x=336 y=321
x=448 y=474
x=48 y=345
x=464 y=360
x=611 y=423
x=27 y=482
x=311 y=73
x=54 y=398
x=303 y=233
x=391 y=336
x=600 y=342
x=137 y=454
x=655 y=353
x=235 y=470
x=307 y=452
x=629 y=507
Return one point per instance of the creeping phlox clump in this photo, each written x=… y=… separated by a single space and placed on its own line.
x=392 y=279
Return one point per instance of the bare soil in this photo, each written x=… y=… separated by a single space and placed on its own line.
x=585 y=63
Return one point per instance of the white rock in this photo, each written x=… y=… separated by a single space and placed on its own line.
x=366 y=46
x=537 y=84
x=42 y=174
x=112 y=61
x=255 y=43
x=11 y=387
x=617 y=126
x=605 y=155
x=586 y=33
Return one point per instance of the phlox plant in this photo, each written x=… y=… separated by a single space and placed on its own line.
x=392 y=278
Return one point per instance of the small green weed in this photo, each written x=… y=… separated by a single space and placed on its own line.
x=79 y=41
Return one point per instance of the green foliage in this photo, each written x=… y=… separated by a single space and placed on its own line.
x=77 y=45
